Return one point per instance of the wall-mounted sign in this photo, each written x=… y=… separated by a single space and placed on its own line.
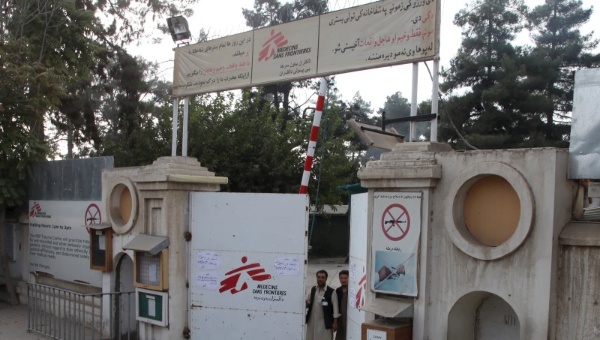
x=395 y=245
x=100 y=247
x=59 y=243
x=373 y=334
x=152 y=307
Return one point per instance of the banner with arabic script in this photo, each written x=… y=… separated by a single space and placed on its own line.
x=374 y=35
x=377 y=34
x=285 y=52
x=215 y=65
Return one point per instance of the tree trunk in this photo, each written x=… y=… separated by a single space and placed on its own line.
x=13 y=299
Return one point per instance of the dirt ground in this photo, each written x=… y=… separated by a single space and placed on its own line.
x=13 y=323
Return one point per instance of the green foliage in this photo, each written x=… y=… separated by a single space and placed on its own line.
x=559 y=49
x=25 y=90
x=58 y=62
x=245 y=144
x=333 y=165
x=396 y=106
x=502 y=96
x=243 y=140
x=272 y=12
x=487 y=70
x=136 y=131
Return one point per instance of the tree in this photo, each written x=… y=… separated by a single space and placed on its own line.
x=136 y=115
x=238 y=140
x=333 y=165
x=51 y=53
x=358 y=108
x=487 y=71
x=19 y=145
x=396 y=106
x=559 y=49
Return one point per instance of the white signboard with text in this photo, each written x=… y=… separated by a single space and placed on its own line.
x=59 y=243
x=378 y=34
x=248 y=265
x=285 y=52
x=219 y=64
x=357 y=283
x=395 y=242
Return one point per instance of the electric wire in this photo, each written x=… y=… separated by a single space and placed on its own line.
x=443 y=106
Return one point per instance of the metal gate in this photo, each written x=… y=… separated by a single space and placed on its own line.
x=248 y=265
x=64 y=314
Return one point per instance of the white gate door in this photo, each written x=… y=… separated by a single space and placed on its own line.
x=358 y=266
x=248 y=265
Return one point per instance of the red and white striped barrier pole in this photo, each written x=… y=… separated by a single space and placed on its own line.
x=314 y=135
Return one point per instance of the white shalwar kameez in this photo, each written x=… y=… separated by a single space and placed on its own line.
x=315 y=329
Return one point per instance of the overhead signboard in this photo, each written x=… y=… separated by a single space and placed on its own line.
x=214 y=65
x=286 y=52
x=379 y=34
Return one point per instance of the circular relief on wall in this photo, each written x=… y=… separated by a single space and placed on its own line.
x=491 y=210
x=122 y=205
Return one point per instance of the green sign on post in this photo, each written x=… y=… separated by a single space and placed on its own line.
x=152 y=306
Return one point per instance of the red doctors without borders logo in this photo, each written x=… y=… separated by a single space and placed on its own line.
x=360 y=295
x=254 y=270
x=35 y=209
x=269 y=48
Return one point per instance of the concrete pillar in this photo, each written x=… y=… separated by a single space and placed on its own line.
x=408 y=167
x=159 y=206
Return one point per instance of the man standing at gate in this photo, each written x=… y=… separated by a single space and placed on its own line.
x=342 y=296
x=323 y=310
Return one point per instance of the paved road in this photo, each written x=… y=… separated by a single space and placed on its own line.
x=13 y=320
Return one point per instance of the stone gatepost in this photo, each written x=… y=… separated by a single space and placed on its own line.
x=148 y=211
x=410 y=168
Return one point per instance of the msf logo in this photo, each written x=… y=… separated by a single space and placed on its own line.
x=277 y=40
x=360 y=295
x=35 y=209
x=254 y=271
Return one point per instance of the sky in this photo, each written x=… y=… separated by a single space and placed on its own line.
x=222 y=18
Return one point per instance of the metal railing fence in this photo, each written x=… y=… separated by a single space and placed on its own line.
x=65 y=315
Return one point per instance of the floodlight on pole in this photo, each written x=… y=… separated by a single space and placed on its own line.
x=180 y=32
x=179 y=28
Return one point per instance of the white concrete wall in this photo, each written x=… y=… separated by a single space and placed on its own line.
x=524 y=278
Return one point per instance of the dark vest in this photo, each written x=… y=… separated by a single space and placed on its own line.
x=340 y=294
x=327 y=310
